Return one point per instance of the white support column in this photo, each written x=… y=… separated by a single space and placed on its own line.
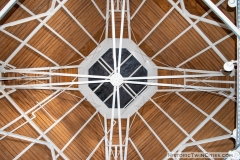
x=139 y=7
x=32 y=34
x=134 y=146
x=7 y=7
x=77 y=133
x=52 y=30
x=153 y=132
x=51 y=127
x=126 y=138
x=224 y=102
x=33 y=124
x=206 y=39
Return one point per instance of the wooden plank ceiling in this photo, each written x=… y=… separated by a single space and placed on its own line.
x=172 y=53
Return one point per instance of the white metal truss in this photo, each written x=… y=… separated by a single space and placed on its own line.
x=62 y=87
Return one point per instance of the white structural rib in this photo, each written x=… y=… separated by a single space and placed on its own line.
x=206 y=39
x=33 y=124
x=180 y=86
x=205 y=121
x=51 y=127
x=134 y=146
x=33 y=33
x=222 y=16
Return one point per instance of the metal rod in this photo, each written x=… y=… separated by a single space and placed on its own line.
x=126 y=138
x=175 y=76
x=139 y=7
x=222 y=16
x=207 y=140
x=153 y=132
x=179 y=86
x=134 y=146
x=96 y=6
x=211 y=81
x=33 y=124
x=24 y=20
x=32 y=34
x=204 y=122
x=7 y=7
x=106 y=137
x=77 y=133
x=52 y=84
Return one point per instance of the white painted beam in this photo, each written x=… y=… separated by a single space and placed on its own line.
x=153 y=132
x=32 y=34
x=99 y=10
x=205 y=38
x=33 y=124
x=139 y=7
x=134 y=146
x=202 y=124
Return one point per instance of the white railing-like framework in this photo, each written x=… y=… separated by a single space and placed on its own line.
x=46 y=73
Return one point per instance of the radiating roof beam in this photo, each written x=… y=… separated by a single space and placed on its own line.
x=134 y=146
x=32 y=123
x=205 y=38
x=139 y=7
x=183 y=32
x=52 y=30
x=204 y=113
x=106 y=137
x=201 y=125
x=107 y=18
x=51 y=127
x=187 y=70
x=126 y=138
x=99 y=10
x=77 y=133
x=222 y=16
x=129 y=20
x=176 y=124
x=31 y=47
x=79 y=24
x=24 y=20
x=32 y=34
x=7 y=7
x=181 y=86
x=205 y=49
x=159 y=22
x=153 y=132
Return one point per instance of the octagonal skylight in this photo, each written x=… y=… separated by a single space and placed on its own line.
x=134 y=63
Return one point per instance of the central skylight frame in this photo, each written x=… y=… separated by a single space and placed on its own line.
x=139 y=55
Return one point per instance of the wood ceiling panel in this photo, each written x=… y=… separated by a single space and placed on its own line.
x=46 y=42
x=132 y=154
x=186 y=46
x=228 y=48
x=27 y=58
x=205 y=101
x=8 y=45
x=40 y=152
x=146 y=18
x=134 y=5
x=208 y=60
x=166 y=31
x=86 y=14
